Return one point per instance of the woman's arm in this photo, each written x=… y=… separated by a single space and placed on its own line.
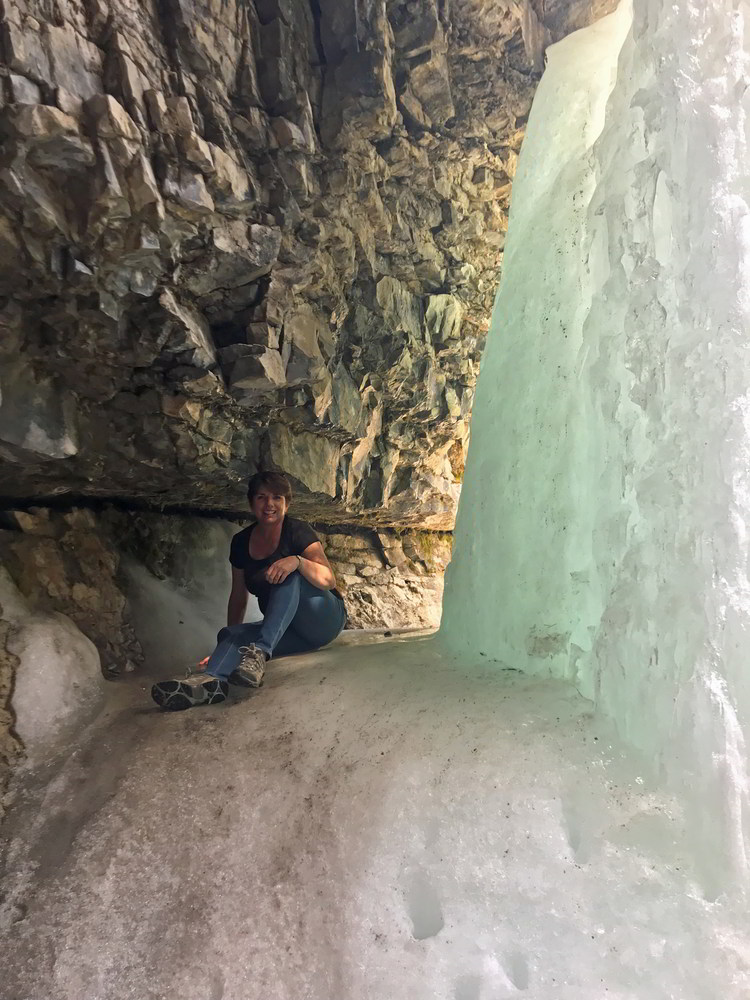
x=314 y=566
x=237 y=598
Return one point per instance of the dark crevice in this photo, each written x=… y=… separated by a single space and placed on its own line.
x=73 y=501
x=317 y=35
x=166 y=20
x=125 y=504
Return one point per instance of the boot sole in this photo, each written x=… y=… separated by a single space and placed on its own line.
x=176 y=696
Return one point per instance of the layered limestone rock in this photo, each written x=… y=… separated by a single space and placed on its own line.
x=390 y=579
x=241 y=234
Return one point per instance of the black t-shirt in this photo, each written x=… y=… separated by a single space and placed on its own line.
x=295 y=537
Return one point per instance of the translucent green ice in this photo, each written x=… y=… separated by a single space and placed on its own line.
x=602 y=532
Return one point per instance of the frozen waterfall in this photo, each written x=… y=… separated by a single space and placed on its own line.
x=602 y=535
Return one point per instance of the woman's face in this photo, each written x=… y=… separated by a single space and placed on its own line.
x=268 y=507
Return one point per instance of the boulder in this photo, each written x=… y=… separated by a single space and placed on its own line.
x=57 y=681
x=110 y=120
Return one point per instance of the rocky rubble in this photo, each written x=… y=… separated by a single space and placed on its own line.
x=255 y=233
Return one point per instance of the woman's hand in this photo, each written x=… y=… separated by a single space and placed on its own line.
x=278 y=572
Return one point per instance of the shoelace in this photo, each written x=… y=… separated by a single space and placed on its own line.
x=247 y=650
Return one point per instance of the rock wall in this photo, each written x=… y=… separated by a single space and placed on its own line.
x=390 y=579
x=11 y=748
x=255 y=233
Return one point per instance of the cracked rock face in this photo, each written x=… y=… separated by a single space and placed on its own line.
x=242 y=234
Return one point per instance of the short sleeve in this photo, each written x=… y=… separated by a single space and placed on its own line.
x=237 y=549
x=302 y=536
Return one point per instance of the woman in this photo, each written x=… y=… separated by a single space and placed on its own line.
x=281 y=561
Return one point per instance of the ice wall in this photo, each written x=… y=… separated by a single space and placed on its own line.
x=177 y=614
x=602 y=533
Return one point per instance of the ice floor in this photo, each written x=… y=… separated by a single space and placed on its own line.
x=379 y=822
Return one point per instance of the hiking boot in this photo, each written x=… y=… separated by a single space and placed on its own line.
x=251 y=668
x=187 y=692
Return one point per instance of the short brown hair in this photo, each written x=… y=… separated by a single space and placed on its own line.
x=275 y=481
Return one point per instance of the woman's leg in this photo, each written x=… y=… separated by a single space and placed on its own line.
x=318 y=618
x=226 y=657
x=282 y=606
x=209 y=686
x=299 y=617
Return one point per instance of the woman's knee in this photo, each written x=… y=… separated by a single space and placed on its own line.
x=320 y=619
x=229 y=632
x=287 y=586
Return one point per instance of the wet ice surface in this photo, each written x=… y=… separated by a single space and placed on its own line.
x=379 y=822
x=602 y=534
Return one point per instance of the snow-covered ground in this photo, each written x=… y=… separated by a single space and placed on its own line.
x=381 y=821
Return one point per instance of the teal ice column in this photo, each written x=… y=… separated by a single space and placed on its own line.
x=603 y=527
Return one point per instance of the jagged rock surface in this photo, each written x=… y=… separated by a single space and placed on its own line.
x=238 y=233
x=68 y=563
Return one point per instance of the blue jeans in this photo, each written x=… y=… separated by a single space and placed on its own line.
x=299 y=617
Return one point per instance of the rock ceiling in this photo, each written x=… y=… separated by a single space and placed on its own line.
x=237 y=234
